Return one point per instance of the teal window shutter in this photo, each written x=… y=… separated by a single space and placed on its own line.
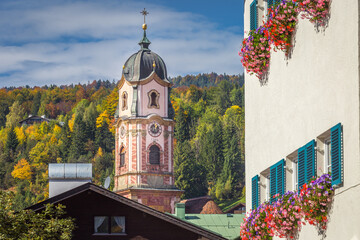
x=253 y=15
x=310 y=160
x=270 y=2
x=273 y=181
x=277 y=179
x=336 y=155
x=301 y=167
x=280 y=175
x=255 y=191
x=306 y=163
x=277 y=1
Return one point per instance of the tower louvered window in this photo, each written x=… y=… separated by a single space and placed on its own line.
x=122 y=157
x=277 y=179
x=255 y=192
x=336 y=154
x=154 y=155
x=306 y=163
x=253 y=15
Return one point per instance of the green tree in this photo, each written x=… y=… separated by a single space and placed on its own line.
x=11 y=140
x=190 y=176
x=4 y=110
x=78 y=139
x=26 y=224
x=104 y=138
x=15 y=115
x=232 y=176
x=209 y=144
x=182 y=125
x=36 y=103
x=90 y=116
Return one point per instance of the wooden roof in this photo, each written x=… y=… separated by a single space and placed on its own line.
x=133 y=204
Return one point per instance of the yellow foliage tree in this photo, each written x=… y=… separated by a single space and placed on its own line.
x=20 y=134
x=57 y=130
x=100 y=152
x=22 y=170
x=71 y=123
x=103 y=117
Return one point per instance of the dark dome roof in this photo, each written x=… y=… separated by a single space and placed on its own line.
x=140 y=65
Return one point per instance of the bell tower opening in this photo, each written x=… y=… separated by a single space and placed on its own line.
x=154 y=155
x=122 y=157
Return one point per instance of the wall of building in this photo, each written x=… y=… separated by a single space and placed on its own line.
x=304 y=97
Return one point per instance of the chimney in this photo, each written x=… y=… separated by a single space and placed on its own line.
x=180 y=210
x=66 y=176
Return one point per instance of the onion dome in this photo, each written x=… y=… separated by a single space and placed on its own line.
x=142 y=64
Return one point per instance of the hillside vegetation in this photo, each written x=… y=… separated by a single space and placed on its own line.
x=208 y=155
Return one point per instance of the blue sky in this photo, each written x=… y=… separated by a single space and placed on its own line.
x=67 y=41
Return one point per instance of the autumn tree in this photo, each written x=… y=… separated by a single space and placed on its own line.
x=22 y=170
x=15 y=115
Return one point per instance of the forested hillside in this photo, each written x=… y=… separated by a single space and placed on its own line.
x=209 y=151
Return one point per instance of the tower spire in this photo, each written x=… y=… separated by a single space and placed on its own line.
x=144 y=42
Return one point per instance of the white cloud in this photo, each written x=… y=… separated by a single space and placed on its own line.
x=68 y=42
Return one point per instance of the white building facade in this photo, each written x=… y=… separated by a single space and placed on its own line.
x=309 y=107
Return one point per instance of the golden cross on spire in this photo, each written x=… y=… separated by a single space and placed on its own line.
x=144 y=12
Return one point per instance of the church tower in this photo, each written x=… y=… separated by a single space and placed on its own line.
x=144 y=166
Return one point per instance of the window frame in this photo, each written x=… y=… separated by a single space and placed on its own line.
x=124 y=101
x=327 y=156
x=295 y=178
x=150 y=105
x=267 y=188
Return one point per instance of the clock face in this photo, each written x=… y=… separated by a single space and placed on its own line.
x=154 y=129
x=122 y=131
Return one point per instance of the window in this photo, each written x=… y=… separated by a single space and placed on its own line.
x=122 y=157
x=154 y=155
x=327 y=156
x=109 y=225
x=277 y=179
x=124 y=101
x=153 y=99
x=253 y=15
x=255 y=192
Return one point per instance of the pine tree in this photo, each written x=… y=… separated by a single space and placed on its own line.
x=190 y=176
x=182 y=126
x=36 y=104
x=78 y=139
x=11 y=140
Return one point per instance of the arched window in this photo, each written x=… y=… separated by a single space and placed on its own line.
x=124 y=101
x=154 y=155
x=122 y=157
x=153 y=99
